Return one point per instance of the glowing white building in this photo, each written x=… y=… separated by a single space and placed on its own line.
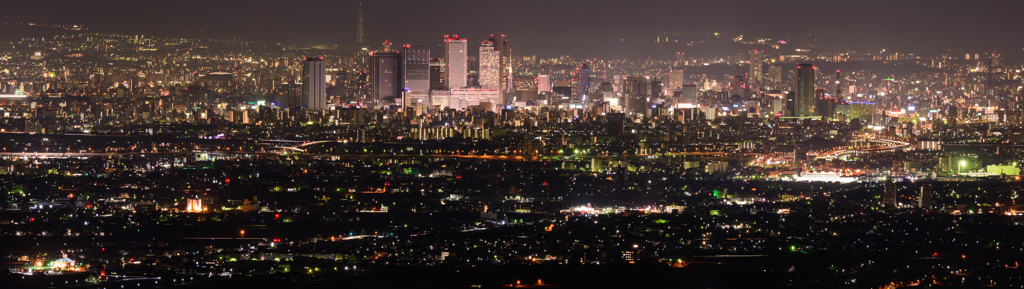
x=456 y=59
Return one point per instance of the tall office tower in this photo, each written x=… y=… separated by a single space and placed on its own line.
x=341 y=86
x=490 y=68
x=839 y=86
x=790 y=104
x=437 y=73
x=689 y=94
x=774 y=74
x=634 y=92
x=675 y=78
x=582 y=80
x=359 y=27
x=924 y=199
x=416 y=71
x=889 y=195
x=754 y=74
x=386 y=79
x=824 y=106
x=361 y=85
x=543 y=83
x=456 y=61
x=657 y=90
x=804 y=90
x=314 y=84
x=504 y=66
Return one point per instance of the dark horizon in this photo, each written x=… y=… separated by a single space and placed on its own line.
x=546 y=29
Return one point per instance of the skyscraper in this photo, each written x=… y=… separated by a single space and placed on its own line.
x=657 y=90
x=675 y=78
x=416 y=71
x=774 y=75
x=543 y=83
x=437 y=74
x=754 y=73
x=582 y=84
x=689 y=94
x=889 y=195
x=839 y=86
x=634 y=92
x=490 y=69
x=924 y=199
x=824 y=105
x=790 y=110
x=386 y=78
x=504 y=66
x=314 y=84
x=456 y=61
x=804 y=90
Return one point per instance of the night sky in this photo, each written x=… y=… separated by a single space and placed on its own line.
x=551 y=28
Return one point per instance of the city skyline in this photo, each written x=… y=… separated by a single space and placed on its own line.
x=519 y=144
x=591 y=29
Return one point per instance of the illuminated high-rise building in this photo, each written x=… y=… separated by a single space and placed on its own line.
x=688 y=94
x=504 y=67
x=657 y=90
x=456 y=61
x=839 y=86
x=804 y=90
x=386 y=81
x=924 y=199
x=791 y=107
x=824 y=106
x=634 y=94
x=490 y=69
x=889 y=196
x=543 y=83
x=675 y=78
x=437 y=74
x=314 y=84
x=754 y=73
x=416 y=71
x=774 y=75
x=582 y=81
x=194 y=205
x=526 y=89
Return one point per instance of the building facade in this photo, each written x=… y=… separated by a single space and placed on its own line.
x=456 y=61
x=314 y=84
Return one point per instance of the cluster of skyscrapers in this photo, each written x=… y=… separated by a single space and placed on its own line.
x=409 y=77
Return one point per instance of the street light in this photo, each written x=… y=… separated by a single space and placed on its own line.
x=962 y=164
